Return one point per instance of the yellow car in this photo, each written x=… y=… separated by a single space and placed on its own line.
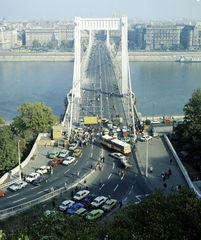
x=77 y=152
x=104 y=120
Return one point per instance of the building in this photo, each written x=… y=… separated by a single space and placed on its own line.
x=8 y=38
x=48 y=34
x=191 y=37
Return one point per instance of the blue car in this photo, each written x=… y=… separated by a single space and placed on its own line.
x=74 y=208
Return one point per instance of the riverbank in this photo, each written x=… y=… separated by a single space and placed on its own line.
x=141 y=56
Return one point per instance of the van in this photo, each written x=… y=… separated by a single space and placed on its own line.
x=82 y=212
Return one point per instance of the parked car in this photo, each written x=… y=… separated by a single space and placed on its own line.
x=68 y=160
x=72 y=146
x=145 y=138
x=155 y=121
x=118 y=156
x=88 y=199
x=81 y=212
x=53 y=154
x=43 y=169
x=94 y=214
x=74 y=208
x=98 y=201
x=32 y=176
x=18 y=185
x=104 y=120
x=55 y=162
x=63 y=153
x=66 y=204
x=50 y=212
x=2 y=193
x=40 y=180
x=77 y=152
x=109 y=204
x=80 y=195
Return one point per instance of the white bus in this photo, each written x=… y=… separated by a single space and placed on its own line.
x=116 y=144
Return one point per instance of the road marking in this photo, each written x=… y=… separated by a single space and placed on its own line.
x=102 y=186
x=129 y=193
x=55 y=178
x=116 y=187
x=44 y=191
x=109 y=176
x=138 y=197
x=91 y=153
x=92 y=146
x=67 y=170
x=13 y=195
x=19 y=200
x=122 y=177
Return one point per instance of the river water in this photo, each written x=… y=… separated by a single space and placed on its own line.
x=162 y=88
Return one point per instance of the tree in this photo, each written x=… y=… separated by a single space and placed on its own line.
x=34 y=118
x=2 y=121
x=175 y=217
x=51 y=45
x=190 y=131
x=8 y=150
x=36 y=43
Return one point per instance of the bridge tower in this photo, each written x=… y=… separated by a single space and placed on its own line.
x=100 y=24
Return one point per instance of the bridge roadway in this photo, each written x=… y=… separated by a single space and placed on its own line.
x=100 y=75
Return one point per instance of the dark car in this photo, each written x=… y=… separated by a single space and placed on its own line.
x=87 y=200
x=40 y=180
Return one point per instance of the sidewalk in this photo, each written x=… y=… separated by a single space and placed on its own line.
x=159 y=158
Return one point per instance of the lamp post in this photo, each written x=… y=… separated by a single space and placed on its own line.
x=19 y=159
x=147 y=153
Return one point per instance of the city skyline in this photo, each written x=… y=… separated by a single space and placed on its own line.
x=155 y=10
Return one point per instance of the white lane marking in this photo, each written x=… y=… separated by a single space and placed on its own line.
x=129 y=193
x=102 y=186
x=13 y=195
x=91 y=153
x=116 y=187
x=55 y=178
x=19 y=200
x=67 y=171
x=44 y=191
x=122 y=177
x=92 y=147
x=109 y=176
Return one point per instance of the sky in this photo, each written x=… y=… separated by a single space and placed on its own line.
x=65 y=10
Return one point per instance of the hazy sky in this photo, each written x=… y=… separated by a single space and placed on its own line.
x=68 y=9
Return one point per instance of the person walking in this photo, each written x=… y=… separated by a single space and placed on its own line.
x=151 y=169
x=170 y=161
x=120 y=204
x=109 y=197
x=103 y=159
x=53 y=204
x=165 y=185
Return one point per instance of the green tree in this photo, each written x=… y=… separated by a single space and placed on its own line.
x=36 y=43
x=33 y=119
x=51 y=45
x=190 y=131
x=8 y=150
x=2 y=121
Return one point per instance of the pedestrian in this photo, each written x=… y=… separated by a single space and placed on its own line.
x=101 y=183
x=120 y=204
x=119 y=172
x=151 y=169
x=85 y=181
x=165 y=185
x=103 y=159
x=53 y=204
x=65 y=185
x=87 y=188
x=163 y=177
x=170 y=171
x=109 y=197
x=170 y=161
x=102 y=166
x=122 y=172
x=78 y=173
x=91 y=166
x=72 y=194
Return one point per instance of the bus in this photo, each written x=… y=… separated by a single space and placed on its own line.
x=116 y=144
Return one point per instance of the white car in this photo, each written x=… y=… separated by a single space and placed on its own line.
x=43 y=169
x=98 y=201
x=68 y=160
x=63 y=153
x=118 y=156
x=72 y=146
x=81 y=194
x=18 y=185
x=155 y=121
x=145 y=138
x=66 y=205
x=124 y=129
x=32 y=176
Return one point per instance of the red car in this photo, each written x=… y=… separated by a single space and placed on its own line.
x=2 y=193
x=56 y=162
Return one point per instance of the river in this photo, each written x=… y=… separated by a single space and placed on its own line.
x=162 y=88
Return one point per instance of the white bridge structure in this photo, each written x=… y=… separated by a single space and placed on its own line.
x=106 y=24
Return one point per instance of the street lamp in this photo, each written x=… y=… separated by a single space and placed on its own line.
x=147 y=153
x=19 y=159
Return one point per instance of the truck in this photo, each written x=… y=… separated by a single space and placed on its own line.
x=117 y=121
x=90 y=120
